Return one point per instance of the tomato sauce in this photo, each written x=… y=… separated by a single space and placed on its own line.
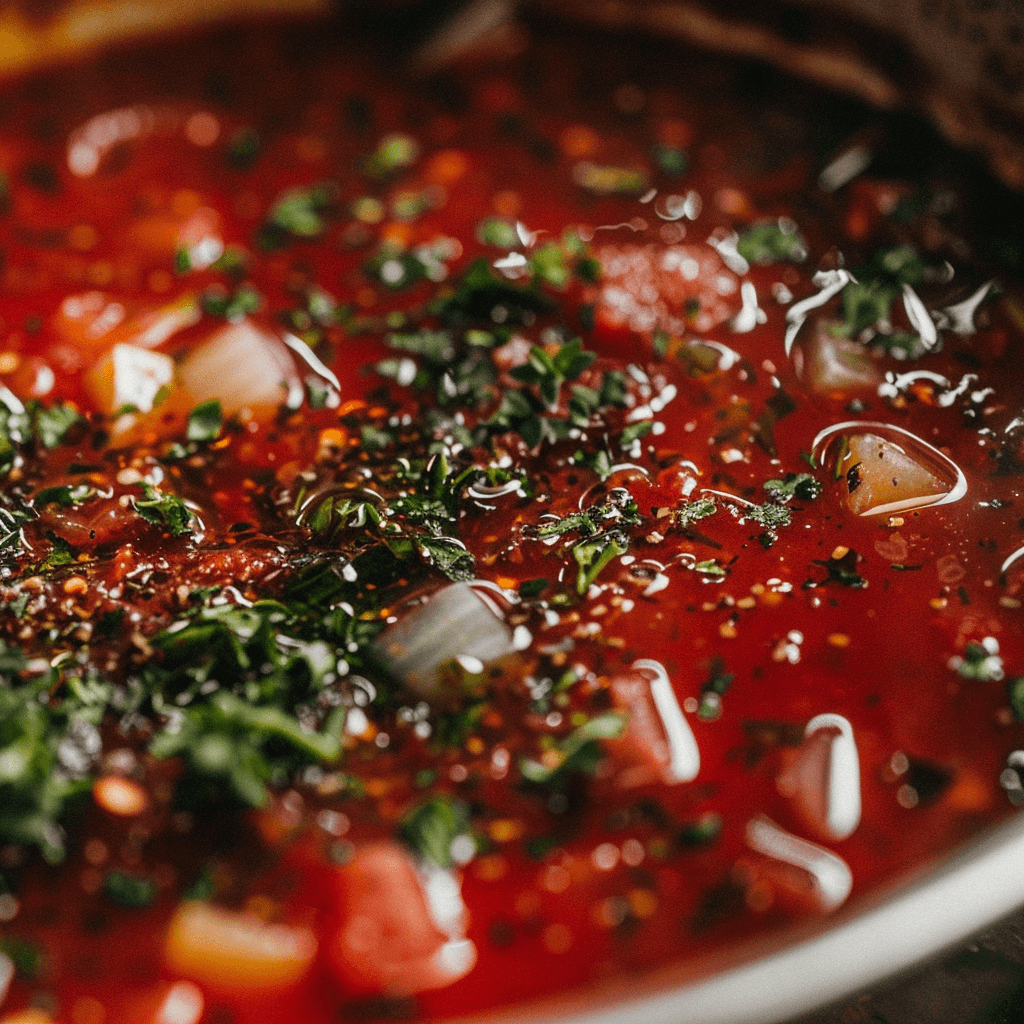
x=485 y=538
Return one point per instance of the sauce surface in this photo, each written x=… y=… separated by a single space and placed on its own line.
x=488 y=538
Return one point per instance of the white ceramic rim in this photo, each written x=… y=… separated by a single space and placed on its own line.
x=960 y=896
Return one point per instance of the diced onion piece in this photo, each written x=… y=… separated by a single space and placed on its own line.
x=183 y=1004
x=388 y=940
x=128 y=376
x=85 y=321
x=93 y=322
x=242 y=366
x=151 y=328
x=229 y=951
x=456 y=622
x=883 y=477
x=884 y=469
x=163 y=235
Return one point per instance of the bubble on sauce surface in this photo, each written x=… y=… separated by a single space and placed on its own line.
x=885 y=469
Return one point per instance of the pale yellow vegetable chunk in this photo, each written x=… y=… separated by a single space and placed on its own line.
x=229 y=951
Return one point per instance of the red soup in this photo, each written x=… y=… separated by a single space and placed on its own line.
x=487 y=537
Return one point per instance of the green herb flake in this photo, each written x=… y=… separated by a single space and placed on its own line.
x=64 y=495
x=533 y=588
x=610 y=181
x=61 y=554
x=769 y=515
x=163 y=509
x=772 y=242
x=234 y=305
x=579 y=753
x=1015 y=695
x=133 y=892
x=980 y=662
x=483 y=295
x=396 y=269
x=635 y=431
x=243 y=149
x=498 y=233
x=691 y=512
x=671 y=160
x=436 y=829
x=53 y=423
x=449 y=556
x=701 y=832
x=710 y=567
x=205 y=421
x=393 y=153
x=299 y=213
x=794 y=485
x=593 y=555
x=550 y=266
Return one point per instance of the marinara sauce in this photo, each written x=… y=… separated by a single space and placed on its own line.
x=486 y=537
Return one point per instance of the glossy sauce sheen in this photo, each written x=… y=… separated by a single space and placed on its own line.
x=888 y=643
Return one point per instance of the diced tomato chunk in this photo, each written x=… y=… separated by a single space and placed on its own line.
x=386 y=941
x=657 y=744
x=641 y=752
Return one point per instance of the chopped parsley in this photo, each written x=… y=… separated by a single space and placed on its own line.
x=711 y=568
x=594 y=554
x=393 y=153
x=434 y=829
x=980 y=662
x=498 y=233
x=131 y=891
x=868 y=299
x=298 y=213
x=772 y=242
x=769 y=515
x=34 y=424
x=64 y=495
x=483 y=295
x=577 y=754
x=232 y=305
x=163 y=509
x=691 y=512
x=618 y=509
x=205 y=422
x=794 y=485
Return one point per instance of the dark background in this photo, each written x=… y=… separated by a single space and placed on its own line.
x=981 y=982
